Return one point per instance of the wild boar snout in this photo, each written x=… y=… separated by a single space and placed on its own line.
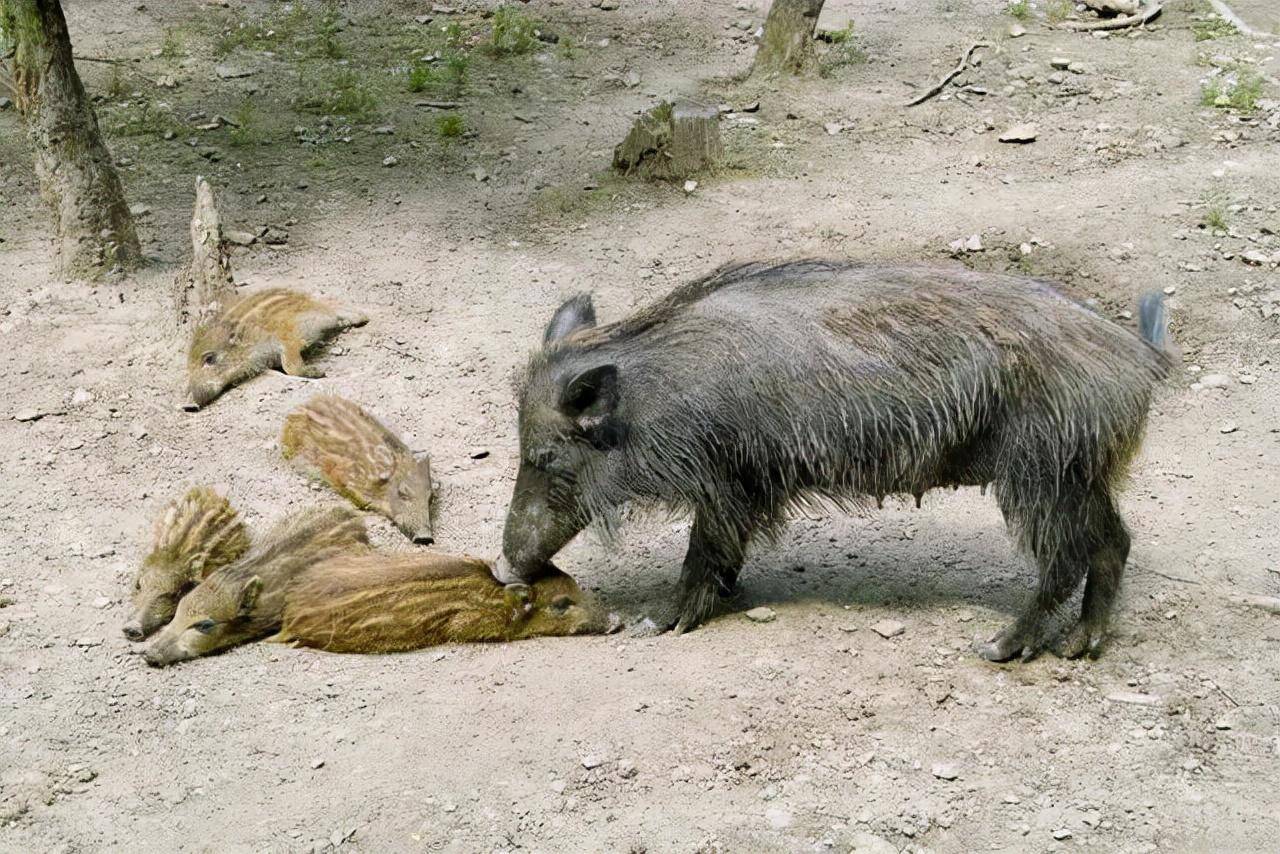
x=133 y=631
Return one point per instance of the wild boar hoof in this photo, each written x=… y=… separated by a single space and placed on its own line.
x=1082 y=639
x=1013 y=642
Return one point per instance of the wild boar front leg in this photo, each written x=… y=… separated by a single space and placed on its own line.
x=292 y=363
x=711 y=567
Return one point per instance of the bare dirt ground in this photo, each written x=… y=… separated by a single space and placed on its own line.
x=811 y=732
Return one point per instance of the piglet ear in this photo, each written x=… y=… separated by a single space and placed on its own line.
x=576 y=313
x=249 y=596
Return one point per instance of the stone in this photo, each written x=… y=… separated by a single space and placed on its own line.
x=833 y=128
x=1255 y=257
x=389 y=161
x=1061 y=833
x=1229 y=427
x=239 y=238
x=317 y=764
x=631 y=79
x=690 y=186
x=558 y=786
x=590 y=762
x=28 y=415
x=101 y=602
x=945 y=771
x=1017 y=31
x=138 y=211
x=868 y=843
x=81 y=397
x=778 y=819
x=762 y=615
x=608 y=5
x=231 y=72
x=1133 y=698
x=888 y=628
x=1059 y=62
x=1021 y=134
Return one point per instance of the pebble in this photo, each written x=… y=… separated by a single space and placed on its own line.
x=1215 y=381
x=384 y=130
x=230 y=72
x=390 y=160
x=81 y=396
x=1248 y=379
x=590 y=762
x=945 y=771
x=239 y=238
x=317 y=764
x=762 y=615
x=28 y=415
x=1021 y=133
x=1017 y=31
x=558 y=786
x=1059 y=62
x=690 y=186
x=478 y=453
x=888 y=628
x=778 y=818
x=1133 y=698
x=101 y=602
x=868 y=843
x=1061 y=833
x=833 y=128
x=608 y=5
x=1228 y=427
x=139 y=210
x=631 y=80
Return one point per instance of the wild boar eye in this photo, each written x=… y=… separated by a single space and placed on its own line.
x=204 y=626
x=560 y=604
x=209 y=358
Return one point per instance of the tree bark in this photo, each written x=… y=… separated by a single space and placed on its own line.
x=787 y=43
x=93 y=228
x=671 y=141
x=205 y=287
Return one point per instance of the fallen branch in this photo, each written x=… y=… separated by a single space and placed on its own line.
x=1136 y=20
x=1224 y=11
x=1176 y=578
x=955 y=72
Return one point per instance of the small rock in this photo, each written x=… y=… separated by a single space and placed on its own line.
x=275 y=237
x=81 y=397
x=1248 y=379
x=479 y=173
x=1022 y=133
x=1215 y=381
x=778 y=818
x=690 y=186
x=28 y=415
x=478 y=453
x=945 y=771
x=1017 y=31
x=590 y=762
x=1228 y=427
x=390 y=160
x=1059 y=62
x=101 y=602
x=608 y=5
x=422 y=19
x=239 y=238
x=139 y=210
x=383 y=130
x=230 y=72
x=1255 y=257
x=762 y=615
x=317 y=764
x=888 y=628
x=833 y=128
x=631 y=80
x=627 y=771
x=868 y=843
x=558 y=786
x=1061 y=834
x=1133 y=698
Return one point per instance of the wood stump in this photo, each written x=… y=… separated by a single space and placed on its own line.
x=206 y=286
x=671 y=142
x=787 y=43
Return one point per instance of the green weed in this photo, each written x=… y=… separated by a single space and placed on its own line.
x=172 y=47
x=1212 y=28
x=514 y=33
x=450 y=126
x=1240 y=94
x=1020 y=9
x=1057 y=11
x=346 y=93
x=247 y=128
x=844 y=50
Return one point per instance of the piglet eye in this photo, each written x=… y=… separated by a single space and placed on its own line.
x=204 y=626
x=560 y=604
x=209 y=358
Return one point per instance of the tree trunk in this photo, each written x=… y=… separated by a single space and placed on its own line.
x=206 y=287
x=92 y=224
x=671 y=142
x=787 y=43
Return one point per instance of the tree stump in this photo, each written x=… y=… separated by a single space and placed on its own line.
x=671 y=142
x=787 y=43
x=93 y=228
x=206 y=286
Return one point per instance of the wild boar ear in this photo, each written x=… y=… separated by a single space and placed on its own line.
x=249 y=596
x=591 y=399
x=576 y=313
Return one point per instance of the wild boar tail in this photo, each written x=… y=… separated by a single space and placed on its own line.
x=1153 y=320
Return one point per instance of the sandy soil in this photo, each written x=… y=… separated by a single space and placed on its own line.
x=811 y=732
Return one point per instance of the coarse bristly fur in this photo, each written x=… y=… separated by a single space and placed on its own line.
x=244 y=600
x=374 y=603
x=195 y=535
x=337 y=441
x=766 y=386
x=270 y=328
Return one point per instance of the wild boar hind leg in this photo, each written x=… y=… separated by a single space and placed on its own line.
x=711 y=566
x=292 y=363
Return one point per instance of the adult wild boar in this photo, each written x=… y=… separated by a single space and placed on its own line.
x=763 y=386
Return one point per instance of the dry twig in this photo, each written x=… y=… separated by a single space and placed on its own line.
x=955 y=72
x=1141 y=17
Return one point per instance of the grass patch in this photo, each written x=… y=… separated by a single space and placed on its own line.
x=346 y=93
x=844 y=50
x=450 y=126
x=173 y=45
x=1058 y=11
x=1240 y=94
x=308 y=32
x=444 y=77
x=1215 y=217
x=247 y=129
x=1212 y=28
x=141 y=117
x=1020 y=9
x=514 y=33
x=567 y=48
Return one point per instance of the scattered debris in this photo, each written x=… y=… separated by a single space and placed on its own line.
x=955 y=72
x=1133 y=698
x=1137 y=19
x=762 y=615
